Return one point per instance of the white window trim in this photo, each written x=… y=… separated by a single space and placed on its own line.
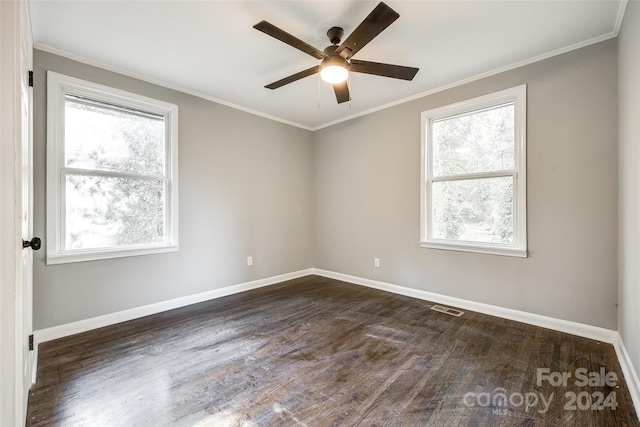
x=58 y=85
x=517 y=95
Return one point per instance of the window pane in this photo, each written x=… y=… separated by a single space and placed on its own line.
x=482 y=141
x=476 y=210
x=106 y=211
x=103 y=137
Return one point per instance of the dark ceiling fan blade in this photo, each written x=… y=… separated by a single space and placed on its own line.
x=342 y=92
x=379 y=19
x=386 y=70
x=292 y=78
x=287 y=38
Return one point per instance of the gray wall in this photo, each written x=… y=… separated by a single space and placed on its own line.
x=245 y=189
x=367 y=180
x=339 y=197
x=629 y=227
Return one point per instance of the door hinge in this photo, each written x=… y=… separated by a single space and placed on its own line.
x=30 y=342
x=31 y=78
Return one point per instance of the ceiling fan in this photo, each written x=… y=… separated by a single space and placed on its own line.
x=336 y=60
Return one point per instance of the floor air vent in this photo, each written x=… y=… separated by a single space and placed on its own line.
x=447 y=310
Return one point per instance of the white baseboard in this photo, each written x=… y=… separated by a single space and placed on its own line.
x=575 y=328
x=55 y=332
x=629 y=371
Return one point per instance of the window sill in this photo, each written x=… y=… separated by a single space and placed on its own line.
x=100 y=254
x=477 y=248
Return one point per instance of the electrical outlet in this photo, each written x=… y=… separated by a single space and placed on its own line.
x=376 y=262
x=249 y=260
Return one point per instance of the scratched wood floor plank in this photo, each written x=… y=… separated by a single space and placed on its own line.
x=319 y=352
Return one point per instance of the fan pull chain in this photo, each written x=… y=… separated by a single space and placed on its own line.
x=350 y=90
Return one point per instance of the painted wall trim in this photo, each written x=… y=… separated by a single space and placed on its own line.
x=46 y=48
x=574 y=328
x=480 y=76
x=60 y=331
x=620 y=16
x=98 y=64
x=628 y=370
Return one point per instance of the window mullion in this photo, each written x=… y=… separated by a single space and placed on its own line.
x=112 y=174
x=479 y=175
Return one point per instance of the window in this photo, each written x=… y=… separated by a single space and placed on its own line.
x=473 y=195
x=112 y=172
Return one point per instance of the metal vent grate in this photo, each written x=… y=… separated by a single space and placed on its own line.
x=447 y=310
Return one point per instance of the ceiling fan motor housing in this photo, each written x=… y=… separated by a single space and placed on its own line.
x=335 y=35
x=334 y=60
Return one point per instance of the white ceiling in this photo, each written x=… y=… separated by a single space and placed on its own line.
x=209 y=48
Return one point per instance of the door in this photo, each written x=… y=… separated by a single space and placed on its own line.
x=24 y=310
x=15 y=168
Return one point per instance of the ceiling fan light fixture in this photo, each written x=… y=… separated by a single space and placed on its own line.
x=334 y=74
x=334 y=69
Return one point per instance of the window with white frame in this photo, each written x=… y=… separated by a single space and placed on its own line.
x=473 y=195
x=112 y=172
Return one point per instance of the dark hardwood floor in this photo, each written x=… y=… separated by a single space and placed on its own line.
x=319 y=352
